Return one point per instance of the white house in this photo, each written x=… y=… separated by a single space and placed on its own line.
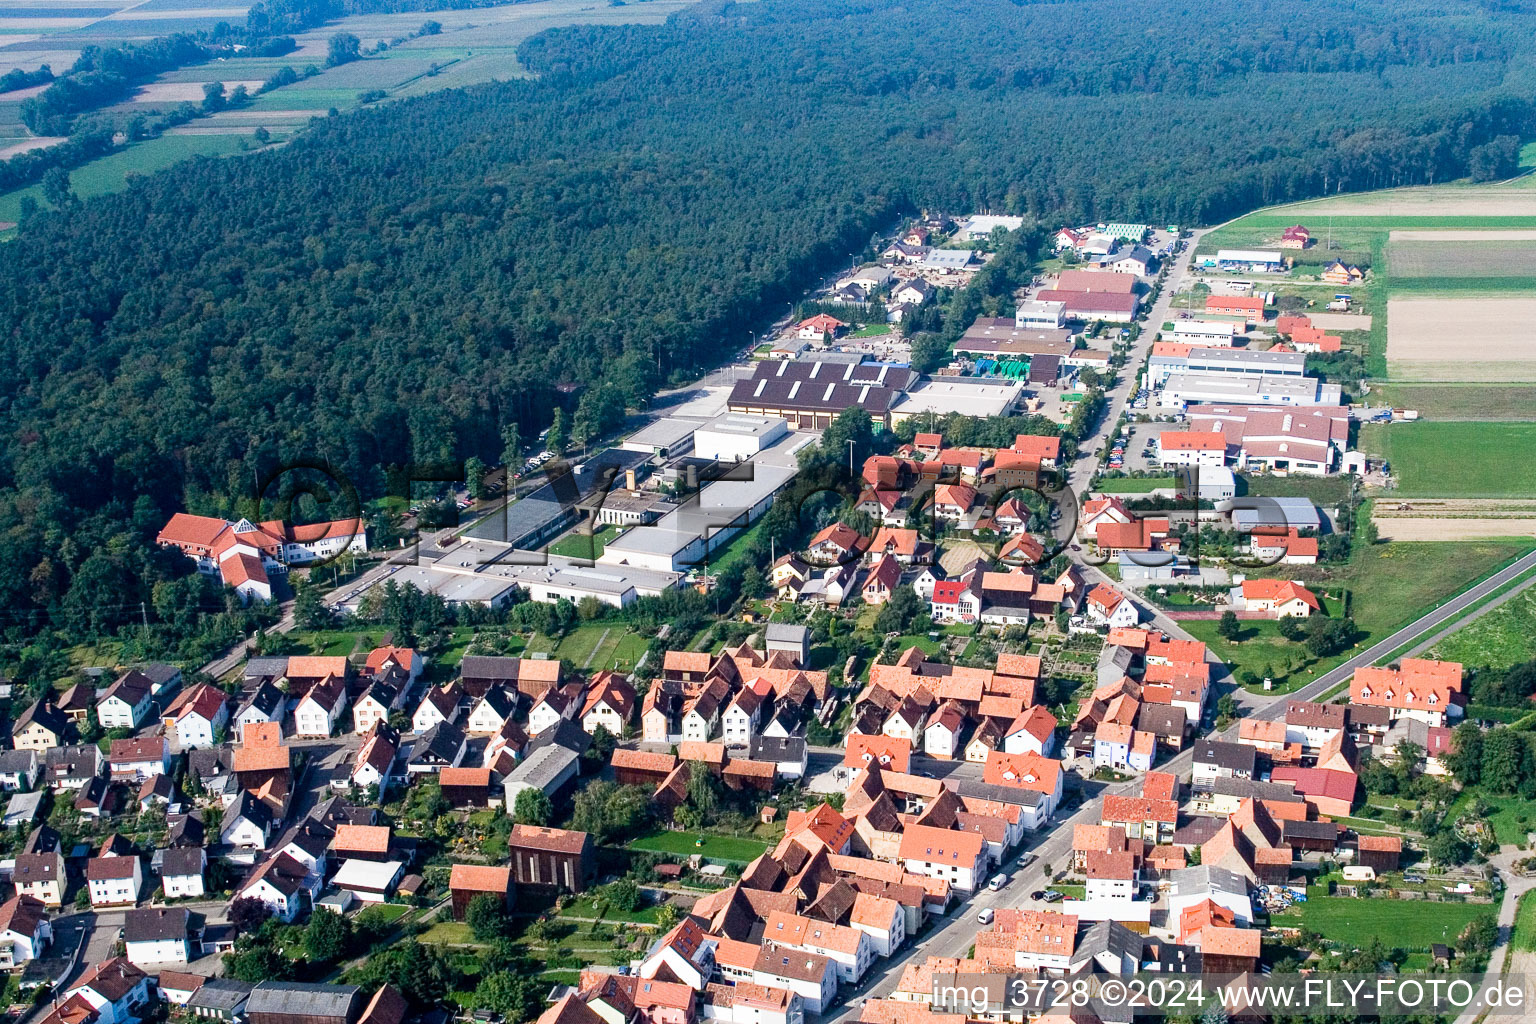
x=320 y=709
x=197 y=716
x=610 y=703
x=114 y=881
x=881 y=919
x=126 y=703
x=739 y=722
x=139 y=757
x=441 y=704
x=19 y=769
x=555 y=706
x=280 y=883
x=374 y=705
x=1192 y=448
x=811 y=977
x=156 y=935
x=700 y=717
x=1111 y=876
x=959 y=858
x=181 y=871
x=1033 y=732
x=490 y=712
x=24 y=931
x=117 y=989
x=944 y=731
x=374 y=758
x=849 y=948
x=266 y=703
x=247 y=823
x=686 y=953
x=906 y=723
x=1106 y=606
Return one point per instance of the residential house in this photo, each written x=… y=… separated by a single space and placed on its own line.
x=1417 y=688
x=1216 y=759
x=957 y=857
x=24 y=931
x=1106 y=606
x=117 y=990
x=385 y=661
x=318 y=713
x=810 y=976
x=1312 y=724
x=181 y=871
x=376 y=757
x=72 y=767
x=851 y=949
x=493 y=710
x=610 y=703
x=157 y=935
x=441 y=746
x=247 y=823
x=1033 y=732
x=197 y=717
x=40 y=727
x=374 y=705
x=882 y=580
x=281 y=883
x=19 y=769
x=138 y=758
x=739 y=721
x=556 y=705
x=126 y=702
x=41 y=876
x=1280 y=599
x=943 y=736
x=114 y=879
x=264 y=703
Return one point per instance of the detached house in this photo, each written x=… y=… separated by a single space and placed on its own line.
x=281 y=883
x=610 y=703
x=1106 y=606
x=139 y=758
x=126 y=702
x=320 y=709
x=558 y=704
x=40 y=727
x=491 y=712
x=374 y=705
x=116 y=876
x=1428 y=691
x=40 y=876
x=441 y=704
x=265 y=703
x=197 y=716
x=24 y=931
x=181 y=871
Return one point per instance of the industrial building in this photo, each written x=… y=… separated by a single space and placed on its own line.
x=1171 y=358
x=810 y=394
x=1182 y=389
x=993 y=396
x=735 y=437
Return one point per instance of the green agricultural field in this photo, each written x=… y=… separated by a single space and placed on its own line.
x=111 y=173
x=1456 y=460
x=305 y=96
x=1460 y=402
x=734 y=849
x=1500 y=639
x=594 y=645
x=1354 y=922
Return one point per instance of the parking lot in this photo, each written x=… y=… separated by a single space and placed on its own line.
x=1135 y=449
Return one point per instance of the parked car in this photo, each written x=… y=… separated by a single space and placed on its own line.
x=986 y=915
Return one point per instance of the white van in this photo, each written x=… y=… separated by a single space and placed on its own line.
x=986 y=915
x=997 y=882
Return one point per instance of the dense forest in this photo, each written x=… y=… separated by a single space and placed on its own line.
x=403 y=282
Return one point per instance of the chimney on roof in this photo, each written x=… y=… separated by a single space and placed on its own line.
x=691 y=475
x=629 y=480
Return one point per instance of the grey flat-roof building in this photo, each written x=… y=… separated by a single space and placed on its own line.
x=1250 y=513
x=293 y=1002
x=667 y=436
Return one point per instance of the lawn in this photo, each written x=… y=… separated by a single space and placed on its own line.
x=733 y=849
x=1132 y=484
x=1323 y=490
x=1505 y=815
x=580 y=545
x=111 y=173
x=600 y=645
x=1524 y=936
x=1390 y=585
x=1500 y=639
x=449 y=933
x=872 y=331
x=1451 y=402
x=1353 y=922
x=584 y=908
x=1483 y=461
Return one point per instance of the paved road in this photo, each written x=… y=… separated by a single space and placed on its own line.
x=1515 y=886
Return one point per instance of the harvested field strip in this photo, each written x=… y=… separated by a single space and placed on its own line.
x=1446 y=402
x=1416 y=259
x=1463 y=287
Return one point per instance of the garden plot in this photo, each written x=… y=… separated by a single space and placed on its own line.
x=1461 y=339
x=1428 y=519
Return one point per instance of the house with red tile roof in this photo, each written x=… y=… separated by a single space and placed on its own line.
x=1430 y=691
x=243 y=553
x=1280 y=599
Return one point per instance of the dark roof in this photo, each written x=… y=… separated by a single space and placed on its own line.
x=17 y=761
x=224 y=994
x=1107 y=937
x=206 y=762
x=566 y=734
x=302 y=999
x=181 y=860
x=186 y=830
x=1162 y=719
x=1238 y=757
x=159 y=672
x=1358 y=715
x=500 y=701
x=46 y=715
x=266 y=698
x=153 y=924
x=251 y=809
x=778 y=748
x=815 y=386
x=438 y=744
x=1320 y=830
x=261 y=668
x=79 y=761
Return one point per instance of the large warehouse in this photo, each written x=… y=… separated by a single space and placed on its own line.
x=811 y=393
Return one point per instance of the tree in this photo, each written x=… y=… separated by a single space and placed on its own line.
x=474 y=476
x=601 y=749
x=1228 y=627
x=704 y=792
x=624 y=894
x=1506 y=762
x=487 y=917
x=1327 y=637
x=901 y=613
x=558 y=434
x=309 y=608
x=248 y=913
x=532 y=807
x=56 y=188
x=608 y=810
x=327 y=937
x=1292 y=628
x=511 y=450
x=342 y=48
x=666 y=917
x=1444 y=847
x=1465 y=758
x=515 y=996
x=213 y=97
x=258 y=963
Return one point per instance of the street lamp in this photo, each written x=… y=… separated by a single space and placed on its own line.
x=850 y=456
